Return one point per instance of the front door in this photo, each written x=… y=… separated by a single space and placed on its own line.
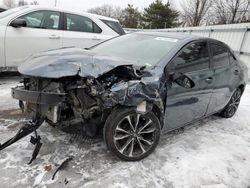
x=41 y=34
x=184 y=105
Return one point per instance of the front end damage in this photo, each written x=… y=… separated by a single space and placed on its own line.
x=81 y=104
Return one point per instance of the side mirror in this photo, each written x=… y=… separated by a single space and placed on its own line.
x=18 y=23
x=183 y=80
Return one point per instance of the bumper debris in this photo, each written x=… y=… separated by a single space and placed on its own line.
x=27 y=129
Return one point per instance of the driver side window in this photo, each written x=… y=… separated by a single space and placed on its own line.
x=193 y=57
x=42 y=19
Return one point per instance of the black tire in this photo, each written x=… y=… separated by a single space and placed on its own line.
x=232 y=105
x=142 y=141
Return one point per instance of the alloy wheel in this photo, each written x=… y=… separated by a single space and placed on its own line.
x=134 y=135
x=234 y=103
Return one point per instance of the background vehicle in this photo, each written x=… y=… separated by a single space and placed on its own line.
x=137 y=85
x=30 y=29
x=2 y=9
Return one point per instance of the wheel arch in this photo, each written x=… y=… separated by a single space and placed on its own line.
x=150 y=106
x=159 y=114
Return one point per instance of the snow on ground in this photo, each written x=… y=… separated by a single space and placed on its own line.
x=5 y=93
x=213 y=153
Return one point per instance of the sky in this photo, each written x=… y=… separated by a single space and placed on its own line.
x=84 y=5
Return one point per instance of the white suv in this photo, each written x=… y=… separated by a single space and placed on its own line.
x=30 y=29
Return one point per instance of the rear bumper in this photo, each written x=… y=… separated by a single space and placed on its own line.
x=37 y=97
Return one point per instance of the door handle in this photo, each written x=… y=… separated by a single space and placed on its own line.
x=54 y=36
x=236 y=72
x=209 y=80
x=96 y=38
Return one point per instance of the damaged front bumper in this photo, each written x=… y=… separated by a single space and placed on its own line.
x=45 y=100
x=48 y=103
x=37 y=97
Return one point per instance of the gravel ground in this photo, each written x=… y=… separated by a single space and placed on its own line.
x=213 y=153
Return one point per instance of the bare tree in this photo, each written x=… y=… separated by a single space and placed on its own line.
x=117 y=12
x=9 y=3
x=245 y=11
x=220 y=12
x=21 y=3
x=107 y=10
x=231 y=11
x=34 y=2
x=194 y=11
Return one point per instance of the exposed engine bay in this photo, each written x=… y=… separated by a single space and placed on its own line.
x=77 y=92
x=85 y=102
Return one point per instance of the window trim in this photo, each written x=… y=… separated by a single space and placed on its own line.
x=170 y=64
x=212 y=59
x=234 y=62
x=60 y=19
x=64 y=28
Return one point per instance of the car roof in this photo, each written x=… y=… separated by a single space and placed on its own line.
x=180 y=36
x=72 y=11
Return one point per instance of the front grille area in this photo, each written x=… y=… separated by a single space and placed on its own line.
x=44 y=85
x=42 y=96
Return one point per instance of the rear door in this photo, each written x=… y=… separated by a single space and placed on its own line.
x=81 y=32
x=185 y=105
x=224 y=77
x=41 y=34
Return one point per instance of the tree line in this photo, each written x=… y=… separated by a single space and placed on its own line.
x=192 y=13
x=160 y=15
x=12 y=3
x=156 y=15
x=211 y=12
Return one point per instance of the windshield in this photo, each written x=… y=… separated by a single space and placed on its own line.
x=146 y=50
x=11 y=11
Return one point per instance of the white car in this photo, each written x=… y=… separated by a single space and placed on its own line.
x=30 y=29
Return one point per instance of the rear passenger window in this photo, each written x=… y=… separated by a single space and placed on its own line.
x=194 y=57
x=220 y=55
x=81 y=24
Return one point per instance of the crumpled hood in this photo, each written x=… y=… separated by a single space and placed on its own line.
x=69 y=62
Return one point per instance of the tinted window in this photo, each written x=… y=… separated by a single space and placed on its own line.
x=220 y=55
x=42 y=19
x=115 y=26
x=194 y=57
x=81 y=24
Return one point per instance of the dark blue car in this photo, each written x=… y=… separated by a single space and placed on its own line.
x=133 y=88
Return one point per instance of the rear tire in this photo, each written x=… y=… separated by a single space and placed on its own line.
x=131 y=135
x=233 y=104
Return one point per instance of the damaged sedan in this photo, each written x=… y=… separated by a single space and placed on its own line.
x=131 y=89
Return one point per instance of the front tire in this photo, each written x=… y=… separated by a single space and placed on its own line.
x=233 y=104
x=131 y=135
